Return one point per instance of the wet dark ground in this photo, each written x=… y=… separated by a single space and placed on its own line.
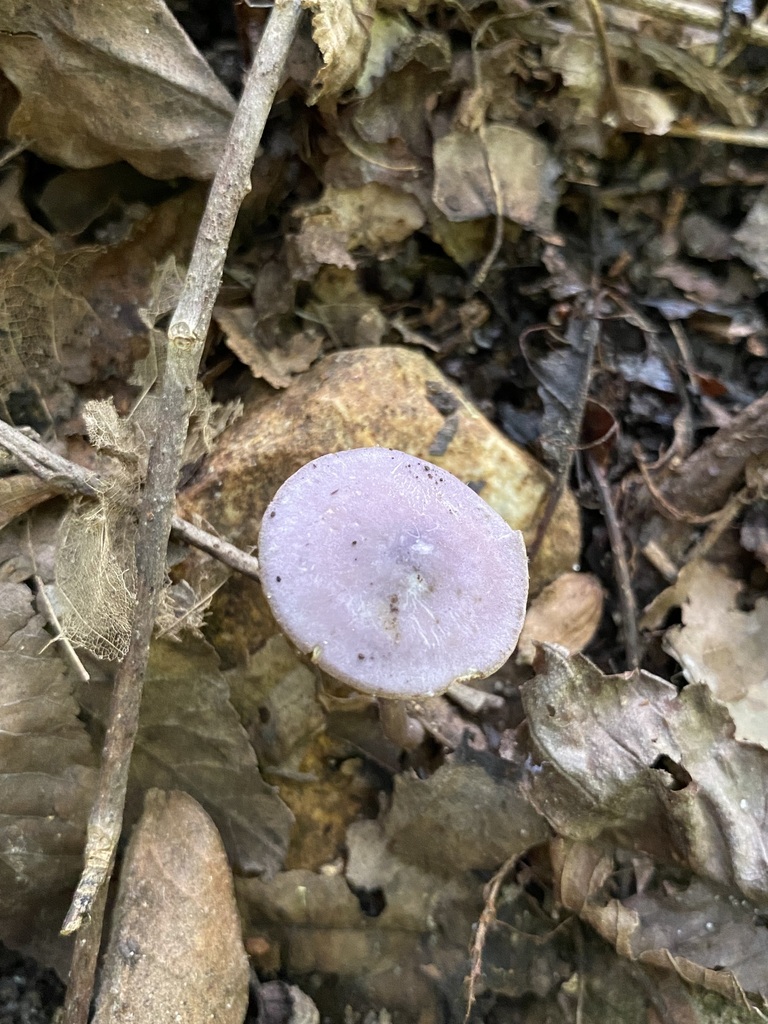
x=28 y=993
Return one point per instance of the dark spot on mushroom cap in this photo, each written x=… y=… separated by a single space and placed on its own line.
x=440 y=595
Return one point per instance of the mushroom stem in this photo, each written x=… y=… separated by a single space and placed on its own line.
x=397 y=724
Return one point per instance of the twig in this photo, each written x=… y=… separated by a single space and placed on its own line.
x=186 y=337
x=70 y=478
x=597 y=17
x=45 y=464
x=487 y=918
x=755 y=137
x=620 y=566
x=69 y=652
x=691 y=13
x=222 y=550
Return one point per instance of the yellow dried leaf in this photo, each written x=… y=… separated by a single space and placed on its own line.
x=341 y=29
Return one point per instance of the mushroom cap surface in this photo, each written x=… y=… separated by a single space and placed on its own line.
x=394 y=575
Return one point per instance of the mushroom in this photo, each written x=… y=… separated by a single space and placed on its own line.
x=393 y=575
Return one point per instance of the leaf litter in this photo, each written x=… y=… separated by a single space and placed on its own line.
x=470 y=228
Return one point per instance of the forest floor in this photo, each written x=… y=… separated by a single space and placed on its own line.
x=527 y=242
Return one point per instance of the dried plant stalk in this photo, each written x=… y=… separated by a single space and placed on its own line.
x=186 y=336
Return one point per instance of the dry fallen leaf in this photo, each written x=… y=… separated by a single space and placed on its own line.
x=277 y=364
x=719 y=644
x=711 y=937
x=460 y=819
x=628 y=758
x=344 y=219
x=341 y=29
x=21 y=492
x=567 y=613
x=47 y=784
x=190 y=737
x=175 y=951
x=470 y=167
x=103 y=82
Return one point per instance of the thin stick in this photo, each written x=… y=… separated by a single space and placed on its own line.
x=222 y=550
x=487 y=918
x=702 y=15
x=186 y=337
x=70 y=654
x=70 y=478
x=611 y=79
x=755 y=137
x=620 y=566
x=47 y=465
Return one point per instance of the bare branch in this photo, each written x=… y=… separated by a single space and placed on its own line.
x=70 y=478
x=186 y=336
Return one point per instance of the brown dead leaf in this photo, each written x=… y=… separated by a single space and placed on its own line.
x=74 y=316
x=20 y=493
x=349 y=315
x=13 y=212
x=276 y=364
x=341 y=29
x=521 y=165
x=709 y=82
x=344 y=219
x=276 y=698
x=647 y=109
x=628 y=757
x=719 y=644
x=385 y=929
x=459 y=819
x=175 y=951
x=708 y=936
x=48 y=779
x=752 y=233
x=191 y=738
x=41 y=309
x=567 y=613
x=104 y=82
x=320 y=924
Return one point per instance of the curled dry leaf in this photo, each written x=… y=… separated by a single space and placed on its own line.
x=629 y=757
x=102 y=82
x=719 y=644
x=343 y=219
x=467 y=164
x=567 y=613
x=707 y=935
x=277 y=364
x=175 y=951
x=47 y=782
x=647 y=109
x=341 y=29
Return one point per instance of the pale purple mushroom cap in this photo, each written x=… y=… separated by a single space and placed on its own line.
x=396 y=576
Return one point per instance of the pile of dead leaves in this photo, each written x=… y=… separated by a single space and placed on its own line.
x=525 y=241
